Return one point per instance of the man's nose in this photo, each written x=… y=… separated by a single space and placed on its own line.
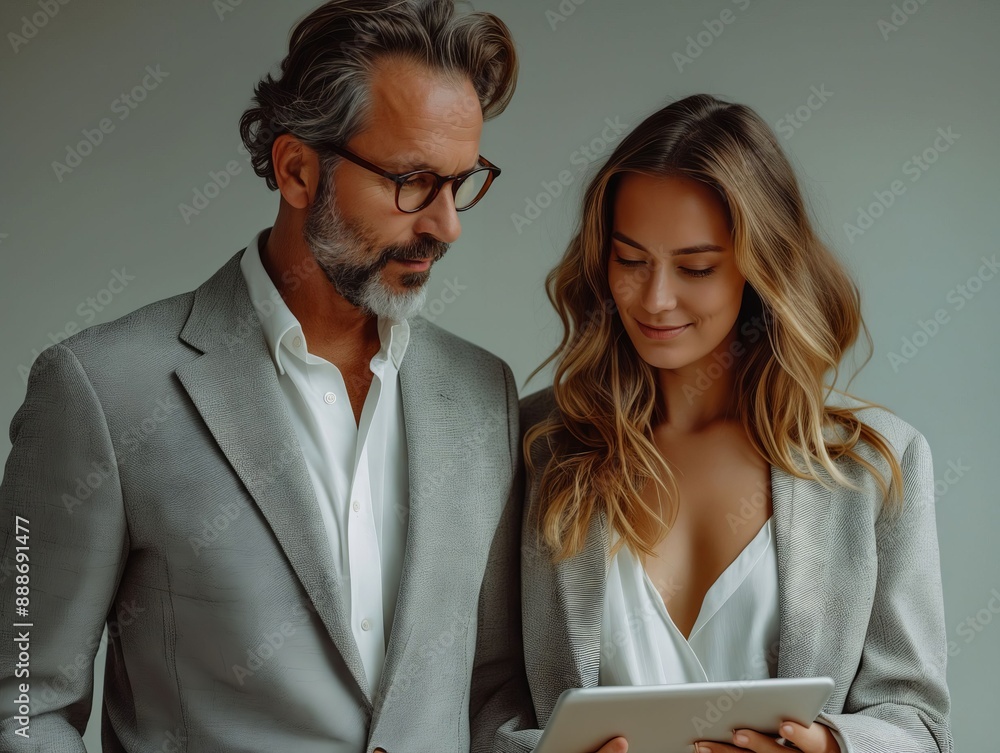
x=440 y=218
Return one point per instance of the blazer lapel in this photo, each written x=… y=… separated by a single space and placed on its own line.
x=438 y=517
x=581 y=585
x=801 y=511
x=568 y=595
x=234 y=386
x=417 y=373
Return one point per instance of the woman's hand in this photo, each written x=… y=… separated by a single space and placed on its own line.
x=615 y=745
x=816 y=738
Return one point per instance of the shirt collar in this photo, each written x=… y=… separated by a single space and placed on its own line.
x=282 y=328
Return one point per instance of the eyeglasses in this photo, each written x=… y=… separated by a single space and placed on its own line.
x=417 y=189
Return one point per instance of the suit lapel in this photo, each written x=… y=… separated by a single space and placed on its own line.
x=439 y=517
x=234 y=386
x=568 y=596
x=416 y=374
x=801 y=511
x=581 y=584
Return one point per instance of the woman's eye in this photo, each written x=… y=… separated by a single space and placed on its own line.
x=627 y=262
x=697 y=272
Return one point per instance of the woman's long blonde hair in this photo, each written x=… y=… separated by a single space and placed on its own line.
x=600 y=439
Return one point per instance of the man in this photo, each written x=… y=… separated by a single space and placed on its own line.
x=293 y=502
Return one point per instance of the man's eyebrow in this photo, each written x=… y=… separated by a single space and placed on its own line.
x=399 y=166
x=698 y=249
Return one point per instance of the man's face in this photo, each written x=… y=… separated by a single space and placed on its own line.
x=376 y=256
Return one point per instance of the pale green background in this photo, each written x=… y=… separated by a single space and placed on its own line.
x=61 y=241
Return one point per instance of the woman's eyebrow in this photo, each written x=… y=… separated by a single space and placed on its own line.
x=698 y=249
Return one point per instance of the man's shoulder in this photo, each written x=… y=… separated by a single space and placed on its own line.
x=136 y=334
x=141 y=339
x=452 y=349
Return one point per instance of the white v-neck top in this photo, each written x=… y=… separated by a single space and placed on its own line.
x=734 y=638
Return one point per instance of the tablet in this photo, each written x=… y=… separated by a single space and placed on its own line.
x=670 y=718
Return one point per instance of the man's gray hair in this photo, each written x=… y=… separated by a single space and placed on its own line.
x=322 y=95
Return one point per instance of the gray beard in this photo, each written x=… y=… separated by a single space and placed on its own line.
x=353 y=263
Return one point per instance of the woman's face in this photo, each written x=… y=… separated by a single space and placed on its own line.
x=671 y=269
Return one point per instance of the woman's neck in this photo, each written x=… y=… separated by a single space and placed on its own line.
x=701 y=393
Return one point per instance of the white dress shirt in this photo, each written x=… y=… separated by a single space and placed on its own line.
x=359 y=470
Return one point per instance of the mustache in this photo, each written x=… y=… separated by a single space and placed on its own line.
x=422 y=248
x=349 y=277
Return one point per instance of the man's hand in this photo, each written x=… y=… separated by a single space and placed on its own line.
x=816 y=738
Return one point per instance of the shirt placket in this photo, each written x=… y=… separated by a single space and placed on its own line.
x=366 y=573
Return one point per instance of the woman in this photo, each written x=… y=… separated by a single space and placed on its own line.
x=698 y=507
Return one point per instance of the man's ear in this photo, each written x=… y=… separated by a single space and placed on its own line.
x=296 y=170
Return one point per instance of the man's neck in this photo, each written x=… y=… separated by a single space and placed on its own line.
x=334 y=328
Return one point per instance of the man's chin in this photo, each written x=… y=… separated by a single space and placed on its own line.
x=413 y=281
x=399 y=279
x=394 y=300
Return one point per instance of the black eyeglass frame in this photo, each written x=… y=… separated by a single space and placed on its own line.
x=439 y=180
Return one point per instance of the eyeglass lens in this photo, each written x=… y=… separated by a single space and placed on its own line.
x=418 y=188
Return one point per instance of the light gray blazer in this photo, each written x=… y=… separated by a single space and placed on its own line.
x=166 y=494
x=859 y=601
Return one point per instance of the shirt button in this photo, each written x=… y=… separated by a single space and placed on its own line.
x=356 y=506
x=366 y=625
x=297 y=341
x=330 y=398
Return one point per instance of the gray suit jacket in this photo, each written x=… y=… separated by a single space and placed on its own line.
x=859 y=600
x=166 y=495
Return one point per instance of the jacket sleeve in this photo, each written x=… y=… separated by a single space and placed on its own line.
x=899 y=699
x=64 y=539
x=500 y=696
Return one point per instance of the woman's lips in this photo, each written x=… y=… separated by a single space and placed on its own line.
x=661 y=333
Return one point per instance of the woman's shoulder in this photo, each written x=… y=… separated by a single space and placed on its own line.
x=908 y=446
x=896 y=430
x=536 y=407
